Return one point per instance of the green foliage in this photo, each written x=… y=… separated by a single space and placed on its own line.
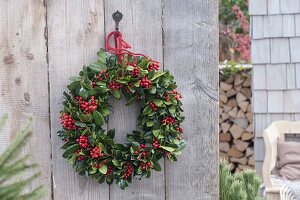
x=12 y=186
x=231 y=68
x=227 y=16
x=240 y=186
x=159 y=120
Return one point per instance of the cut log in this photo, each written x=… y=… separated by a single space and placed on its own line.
x=238 y=79
x=251 y=161
x=241 y=114
x=227 y=108
x=250 y=128
x=225 y=127
x=223 y=98
x=224 y=156
x=236 y=131
x=231 y=93
x=247 y=136
x=224 y=146
x=241 y=122
x=243 y=167
x=247 y=82
x=233 y=113
x=231 y=103
x=249 y=108
x=249 y=151
x=220 y=111
x=241 y=145
x=229 y=80
x=249 y=116
x=223 y=137
x=225 y=86
x=233 y=152
x=224 y=117
x=242 y=161
x=246 y=92
x=240 y=98
x=238 y=88
x=244 y=105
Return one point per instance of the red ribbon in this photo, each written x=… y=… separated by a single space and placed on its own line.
x=121 y=46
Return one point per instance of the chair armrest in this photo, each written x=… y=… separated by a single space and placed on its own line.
x=271 y=137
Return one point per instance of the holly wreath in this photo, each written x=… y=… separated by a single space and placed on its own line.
x=90 y=148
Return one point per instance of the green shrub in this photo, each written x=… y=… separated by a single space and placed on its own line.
x=241 y=186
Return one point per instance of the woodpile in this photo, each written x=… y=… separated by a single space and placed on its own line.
x=235 y=120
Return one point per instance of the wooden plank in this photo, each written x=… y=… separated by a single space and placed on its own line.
x=141 y=27
x=280 y=50
x=291 y=76
x=288 y=25
x=292 y=101
x=289 y=6
x=76 y=32
x=260 y=100
x=273 y=7
x=24 y=80
x=276 y=77
x=190 y=53
x=257 y=27
x=295 y=50
x=275 y=102
x=258 y=7
x=260 y=50
x=297 y=21
x=259 y=77
x=297 y=75
x=273 y=26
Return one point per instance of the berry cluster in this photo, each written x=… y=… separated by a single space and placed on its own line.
x=145 y=82
x=109 y=170
x=83 y=141
x=143 y=146
x=101 y=76
x=135 y=72
x=113 y=85
x=168 y=120
x=68 y=122
x=80 y=157
x=155 y=144
x=96 y=153
x=179 y=129
x=153 y=106
x=129 y=170
x=167 y=96
x=153 y=66
x=176 y=95
x=87 y=106
x=144 y=165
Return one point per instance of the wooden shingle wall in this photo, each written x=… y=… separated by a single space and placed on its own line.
x=275 y=30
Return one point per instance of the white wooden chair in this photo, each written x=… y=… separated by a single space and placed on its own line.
x=274 y=133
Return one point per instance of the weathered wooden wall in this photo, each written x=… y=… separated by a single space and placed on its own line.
x=276 y=65
x=42 y=43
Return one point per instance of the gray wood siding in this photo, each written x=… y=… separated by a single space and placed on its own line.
x=44 y=42
x=275 y=27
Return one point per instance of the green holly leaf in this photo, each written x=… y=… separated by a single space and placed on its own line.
x=158 y=102
x=116 y=162
x=152 y=90
x=143 y=63
x=105 y=111
x=172 y=109
x=98 y=118
x=116 y=93
x=111 y=133
x=130 y=101
x=122 y=184
x=129 y=68
x=70 y=150
x=157 y=74
x=156 y=166
x=74 y=85
x=171 y=149
x=102 y=55
x=156 y=132
x=103 y=169
x=83 y=93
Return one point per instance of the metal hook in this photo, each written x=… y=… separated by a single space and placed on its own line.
x=117 y=16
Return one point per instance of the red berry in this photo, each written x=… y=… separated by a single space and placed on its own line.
x=145 y=82
x=83 y=141
x=135 y=72
x=153 y=106
x=153 y=66
x=168 y=120
x=96 y=153
x=68 y=122
x=176 y=95
x=113 y=85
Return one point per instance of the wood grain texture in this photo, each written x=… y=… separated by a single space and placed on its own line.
x=75 y=34
x=190 y=53
x=23 y=80
x=141 y=27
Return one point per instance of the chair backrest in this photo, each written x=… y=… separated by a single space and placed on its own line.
x=274 y=133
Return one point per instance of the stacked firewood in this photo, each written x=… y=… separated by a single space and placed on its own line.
x=236 y=120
